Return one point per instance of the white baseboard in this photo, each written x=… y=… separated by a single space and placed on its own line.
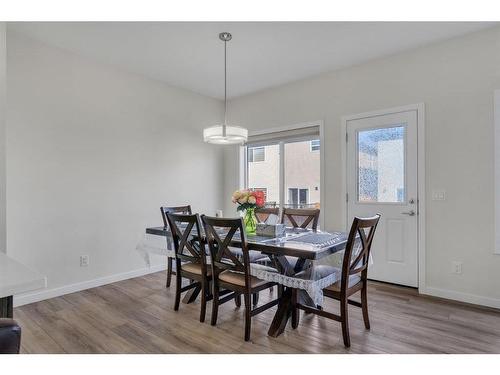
x=462 y=297
x=25 y=299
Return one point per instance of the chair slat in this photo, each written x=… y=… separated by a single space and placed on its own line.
x=309 y=216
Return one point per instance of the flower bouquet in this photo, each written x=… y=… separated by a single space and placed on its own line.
x=248 y=201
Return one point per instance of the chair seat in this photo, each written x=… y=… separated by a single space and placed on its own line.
x=353 y=280
x=195 y=268
x=237 y=278
x=252 y=254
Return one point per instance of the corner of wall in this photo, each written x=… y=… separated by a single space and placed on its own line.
x=3 y=107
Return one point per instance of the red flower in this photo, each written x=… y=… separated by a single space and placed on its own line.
x=259 y=197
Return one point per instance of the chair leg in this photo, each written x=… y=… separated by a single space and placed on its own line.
x=204 y=293
x=237 y=300
x=248 y=318
x=295 y=310
x=215 y=302
x=280 y=290
x=364 y=305
x=169 y=271
x=255 y=299
x=178 y=286
x=345 y=321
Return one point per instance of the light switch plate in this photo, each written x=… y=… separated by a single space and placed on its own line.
x=456 y=267
x=84 y=261
x=438 y=195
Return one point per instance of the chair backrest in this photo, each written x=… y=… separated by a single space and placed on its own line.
x=219 y=233
x=262 y=214
x=187 y=236
x=175 y=210
x=301 y=217
x=357 y=251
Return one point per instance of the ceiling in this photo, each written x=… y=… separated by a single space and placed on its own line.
x=261 y=55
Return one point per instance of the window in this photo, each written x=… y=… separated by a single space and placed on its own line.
x=297 y=198
x=381 y=165
x=315 y=145
x=256 y=154
x=288 y=170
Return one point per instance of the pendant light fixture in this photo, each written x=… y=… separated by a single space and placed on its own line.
x=225 y=134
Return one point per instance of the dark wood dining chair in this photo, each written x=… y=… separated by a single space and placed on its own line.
x=190 y=258
x=10 y=336
x=353 y=277
x=262 y=214
x=164 y=211
x=229 y=272
x=301 y=217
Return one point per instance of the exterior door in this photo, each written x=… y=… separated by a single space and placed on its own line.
x=382 y=178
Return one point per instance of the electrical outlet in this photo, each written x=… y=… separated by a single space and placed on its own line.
x=84 y=260
x=457 y=267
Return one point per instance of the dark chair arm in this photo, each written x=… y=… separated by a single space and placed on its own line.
x=10 y=336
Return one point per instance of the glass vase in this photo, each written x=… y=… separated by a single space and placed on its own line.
x=250 y=221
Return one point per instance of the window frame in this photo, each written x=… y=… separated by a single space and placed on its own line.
x=298 y=191
x=261 y=134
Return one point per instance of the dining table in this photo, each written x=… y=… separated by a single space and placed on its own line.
x=15 y=279
x=291 y=254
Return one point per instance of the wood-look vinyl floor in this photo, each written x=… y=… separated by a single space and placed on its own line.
x=137 y=316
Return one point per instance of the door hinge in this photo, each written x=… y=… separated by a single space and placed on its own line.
x=347 y=197
x=346 y=137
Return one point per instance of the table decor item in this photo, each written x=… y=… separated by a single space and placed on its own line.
x=248 y=201
x=271 y=230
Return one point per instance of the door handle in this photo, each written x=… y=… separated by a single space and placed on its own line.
x=409 y=213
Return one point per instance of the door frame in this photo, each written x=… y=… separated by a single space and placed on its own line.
x=420 y=109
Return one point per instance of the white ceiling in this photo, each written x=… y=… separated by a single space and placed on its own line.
x=261 y=54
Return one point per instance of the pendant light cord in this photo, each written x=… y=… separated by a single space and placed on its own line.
x=225 y=89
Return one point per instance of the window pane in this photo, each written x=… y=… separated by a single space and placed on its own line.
x=263 y=171
x=302 y=173
x=256 y=154
x=293 y=196
x=303 y=196
x=315 y=145
x=381 y=165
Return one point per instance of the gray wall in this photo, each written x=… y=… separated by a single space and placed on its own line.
x=455 y=79
x=92 y=152
x=3 y=67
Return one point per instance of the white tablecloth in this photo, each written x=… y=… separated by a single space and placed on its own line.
x=157 y=245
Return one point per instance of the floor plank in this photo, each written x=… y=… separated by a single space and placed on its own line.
x=137 y=316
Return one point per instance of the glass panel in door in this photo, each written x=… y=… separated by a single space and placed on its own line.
x=381 y=165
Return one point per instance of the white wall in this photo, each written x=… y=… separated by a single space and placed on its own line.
x=92 y=153
x=497 y=170
x=455 y=80
x=3 y=66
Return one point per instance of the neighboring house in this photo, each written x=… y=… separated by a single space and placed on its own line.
x=302 y=172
